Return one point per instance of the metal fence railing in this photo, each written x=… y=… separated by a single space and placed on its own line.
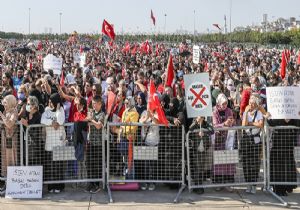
x=12 y=152
x=70 y=154
x=139 y=155
x=145 y=154
x=283 y=152
x=226 y=158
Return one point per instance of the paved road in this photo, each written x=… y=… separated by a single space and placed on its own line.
x=160 y=199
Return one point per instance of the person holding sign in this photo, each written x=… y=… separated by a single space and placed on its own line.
x=251 y=142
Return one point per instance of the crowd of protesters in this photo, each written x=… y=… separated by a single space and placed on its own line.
x=238 y=78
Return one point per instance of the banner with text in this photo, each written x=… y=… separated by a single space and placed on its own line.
x=24 y=182
x=283 y=102
x=54 y=63
x=198 y=96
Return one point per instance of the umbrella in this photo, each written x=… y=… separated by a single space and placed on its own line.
x=185 y=53
x=22 y=50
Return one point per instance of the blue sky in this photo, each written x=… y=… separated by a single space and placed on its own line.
x=134 y=15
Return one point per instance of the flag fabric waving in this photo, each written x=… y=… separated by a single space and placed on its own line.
x=62 y=79
x=285 y=58
x=153 y=18
x=170 y=81
x=154 y=105
x=108 y=30
x=217 y=26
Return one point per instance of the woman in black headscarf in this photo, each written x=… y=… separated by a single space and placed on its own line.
x=141 y=104
x=173 y=141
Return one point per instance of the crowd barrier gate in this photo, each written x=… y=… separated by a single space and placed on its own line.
x=225 y=158
x=73 y=153
x=145 y=154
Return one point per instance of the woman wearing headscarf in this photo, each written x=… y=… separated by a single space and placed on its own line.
x=141 y=104
x=251 y=142
x=9 y=142
x=282 y=161
x=224 y=140
x=200 y=151
x=54 y=118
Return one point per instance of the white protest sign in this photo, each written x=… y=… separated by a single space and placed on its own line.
x=24 y=182
x=174 y=51
x=198 y=96
x=76 y=57
x=283 y=102
x=54 y=63
x=196 y=54
x=82 y=60
x=188 y=41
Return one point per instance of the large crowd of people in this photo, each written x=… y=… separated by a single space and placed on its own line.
x=81 y=94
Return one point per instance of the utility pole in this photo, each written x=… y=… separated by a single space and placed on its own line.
x=29 y=21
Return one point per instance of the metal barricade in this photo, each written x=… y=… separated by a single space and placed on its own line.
x=145 y=154
x=11 y=147
x=283 y=152
x=227 y=157
x=73 y=153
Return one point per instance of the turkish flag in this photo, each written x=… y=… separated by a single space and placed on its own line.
x=111 y=99
x=170 y=81
x=62 y=79
x=157 y=50
x=154 y=105
x=126 y=48
x=134 y=49
x=285 y=58
x=147 y=48
x=217 y=26
x=81 y=49
x=153 y=18
x=108 y=30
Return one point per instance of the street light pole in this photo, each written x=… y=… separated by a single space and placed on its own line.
x=165 y=23
x=194 y=24
x=60 y=22
x=230 y=15
x=29 y=21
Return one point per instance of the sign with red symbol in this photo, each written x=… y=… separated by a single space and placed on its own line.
x=197 y=95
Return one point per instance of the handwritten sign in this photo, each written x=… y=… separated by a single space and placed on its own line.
x=24 y=182
x=196 y=54
x=82 y=60
x=283 y=102
x=54 y=63
x=198 y=96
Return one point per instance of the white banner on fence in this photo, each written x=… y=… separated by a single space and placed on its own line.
x=24 y=182
x=196 y=54
x=54 y=63
x=283 y=102
x=198 y=96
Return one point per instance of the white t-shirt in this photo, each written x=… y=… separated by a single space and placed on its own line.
x=150 y=133
x=255 y=131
